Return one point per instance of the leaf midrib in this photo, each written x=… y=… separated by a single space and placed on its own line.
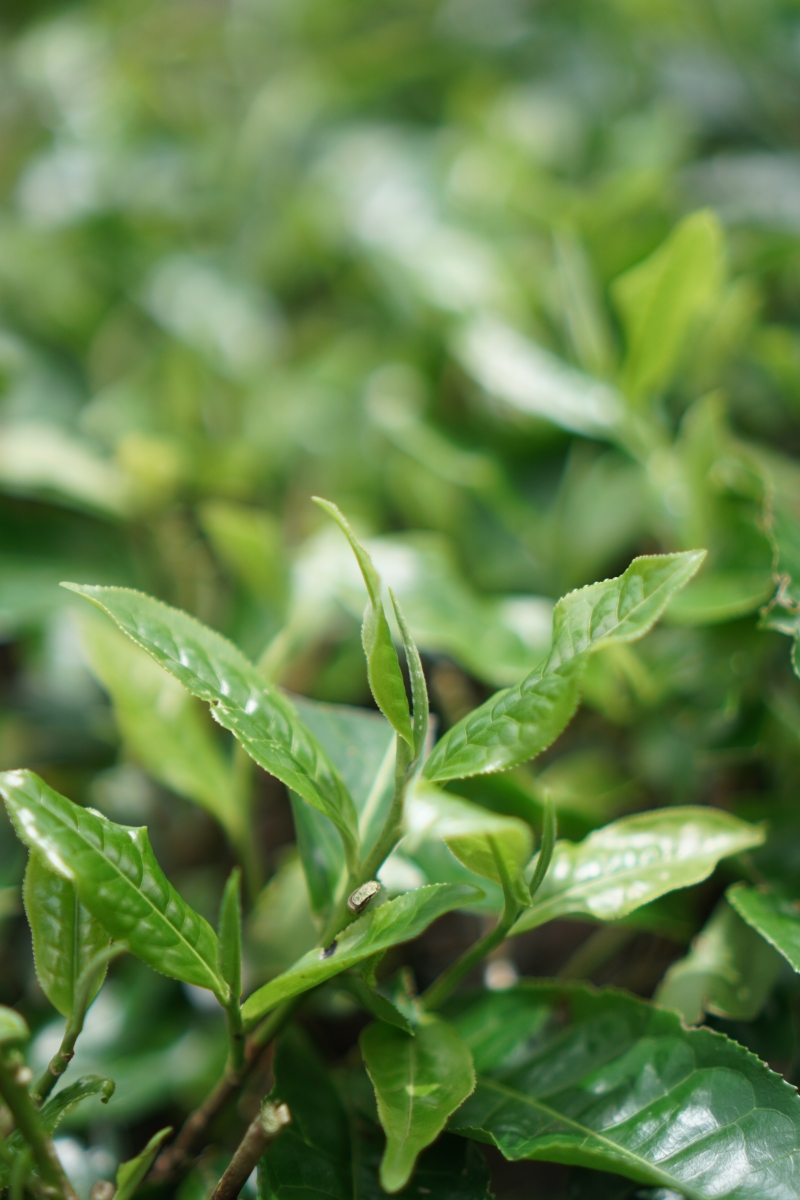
x=93 y=849
x=589 y=1133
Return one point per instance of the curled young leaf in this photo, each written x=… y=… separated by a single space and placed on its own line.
x=383 y=666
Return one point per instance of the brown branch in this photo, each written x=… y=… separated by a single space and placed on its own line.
x=271 y=1119
x=175 y=1158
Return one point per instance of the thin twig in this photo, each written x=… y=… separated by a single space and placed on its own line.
x=14 y=1081
x=176 y=1157
x=271 y=1119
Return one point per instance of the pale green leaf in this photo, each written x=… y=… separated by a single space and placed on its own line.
x=249 y=543
x=383 y=665
x=66 y=937
x=771 y=913
x=163 y=726
x=131 y=1173
x=117 y=878
x=12 y=1026
x=602 y=1079
x=419 y=1081
x=230 y=933
x=661 y=299
x=729 y=971
x=400 y=920
x=211 y=667
x=518 y=723
x=634 y=860
x=492 y=845
x=69 y=1097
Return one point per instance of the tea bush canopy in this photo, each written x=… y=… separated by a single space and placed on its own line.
x=399 y=794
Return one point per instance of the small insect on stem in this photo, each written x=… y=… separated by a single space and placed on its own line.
x=358 y=900
x=329 y=950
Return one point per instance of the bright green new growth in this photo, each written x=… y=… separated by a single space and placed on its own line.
x=383 y=667
x=518 y=723
x=419 y=1081
x=116 y=877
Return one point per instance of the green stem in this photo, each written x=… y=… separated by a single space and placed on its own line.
x=233 y=1012
x=441 y=988
x=438 y=992
x=20 y=1102
x=83 y=990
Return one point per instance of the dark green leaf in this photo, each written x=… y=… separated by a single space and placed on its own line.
x=383 y=666
x=66 y=937
x=117 y=878
x=211 y=667
x=419 y=1081
x=602 y=1079
x=772 y=914
x=729 y=971
x=634 y=860
x=518 y=723
x=400 y=920
x=419 y=688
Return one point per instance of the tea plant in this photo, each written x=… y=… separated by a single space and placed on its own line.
x=540 y=1069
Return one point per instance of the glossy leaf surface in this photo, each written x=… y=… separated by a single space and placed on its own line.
x=400 y=920
x=117 y=878
x=602 y=1079
x=729 y=971
x=419 y=1081
x=162 y=725
x=492 y=845
x=211 y=667
x=518 y=723
x=333 y=1149
x=634 y=860
x=383 y=666
x=772 y=914
x=65 y=935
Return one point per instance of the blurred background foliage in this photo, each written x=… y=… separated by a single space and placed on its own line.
x=517 y=284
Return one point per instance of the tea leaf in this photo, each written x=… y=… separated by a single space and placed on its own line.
x=131 y=1173
x=518 y=723
x=773 y=915
x=211 y=667
x=116 y=876
x=66 y=937
x=383 y=666
x=419 y=1081
x=602 y=1079
x=400 y=920
x=634 y=860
